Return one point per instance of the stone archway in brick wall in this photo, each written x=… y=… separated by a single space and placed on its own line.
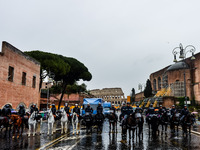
x=6 y=104
x=30 y=105
x=21 y=103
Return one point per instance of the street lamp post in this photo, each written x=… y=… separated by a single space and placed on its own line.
x=48 y=93
x=183 y=51
x=51 y=75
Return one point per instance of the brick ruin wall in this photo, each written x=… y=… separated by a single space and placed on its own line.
x=15 y=93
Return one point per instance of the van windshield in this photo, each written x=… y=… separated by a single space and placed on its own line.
x=106 y=109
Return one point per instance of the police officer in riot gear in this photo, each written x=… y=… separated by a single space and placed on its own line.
x=150 y=110
x=100 y=108
x=184 y=112
x=138 y=109
x=6 y=111
x=21 y=111
x=114 y=111
x=89 y=109
x=128 y=111
x=173 y=110
x=161 y=110
x=34 y=108
x=76 y=109
x=53 y=109
x=138 y=113
x=123 y=110
x=67 y=108
x=113 y=108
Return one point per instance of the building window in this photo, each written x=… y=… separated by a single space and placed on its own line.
x=23 y=78
x=34 y=82
x=10 y=73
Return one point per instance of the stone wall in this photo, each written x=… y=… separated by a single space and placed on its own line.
x=13 y=92
x=168 y=101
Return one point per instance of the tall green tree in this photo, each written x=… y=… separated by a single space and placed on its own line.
x=66 y=69
x=77 y=71
x=75 y=88
x=51 y=63
x=148 y=89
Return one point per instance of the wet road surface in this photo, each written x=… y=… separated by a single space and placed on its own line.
x=103 y=141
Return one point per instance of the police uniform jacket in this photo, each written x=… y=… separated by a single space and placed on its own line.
x=161 y=111
x=99 y=109
x=53 y=109
x=123 y=110
x=138 y=110
x=6 y=111
x=34 y=109
x=114 y=109
x=129 y=110
x=21 y=112
x=172 y=111
x=89 y=109
x=66 y=109
x=76 y=110
x=184 y=112
x=150 y=110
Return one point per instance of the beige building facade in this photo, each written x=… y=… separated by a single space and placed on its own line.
x=113 y=95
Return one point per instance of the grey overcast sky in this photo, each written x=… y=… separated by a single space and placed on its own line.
x=120 y=41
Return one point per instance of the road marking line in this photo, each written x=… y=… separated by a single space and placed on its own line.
x=50 y=143
x=70 y=148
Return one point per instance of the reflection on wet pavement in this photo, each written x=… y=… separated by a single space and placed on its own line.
x=103 y=141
